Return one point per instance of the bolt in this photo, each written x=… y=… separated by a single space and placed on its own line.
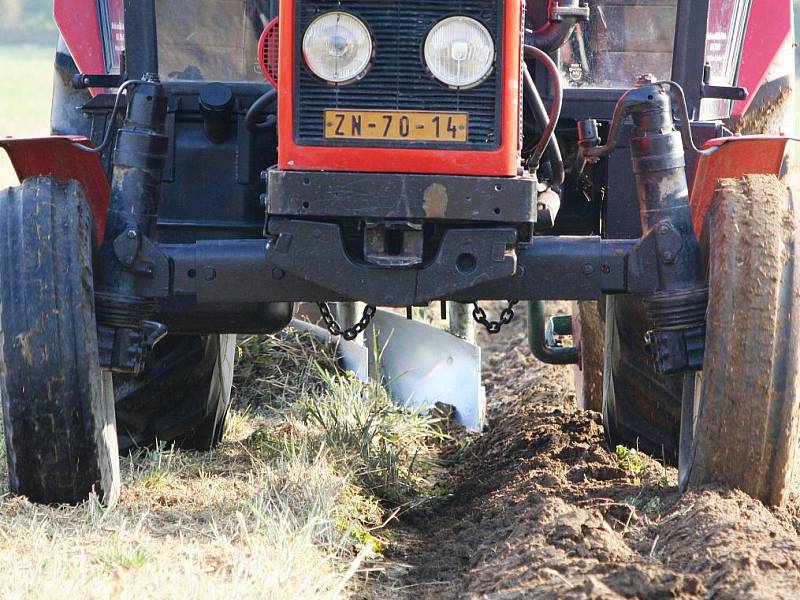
x=605 y=269
x=264 y=176
x=278 y=274
x=668 y=256
x=664 y=229
x=588 y=269
x=131 y=233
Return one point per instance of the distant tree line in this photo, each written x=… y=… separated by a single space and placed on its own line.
x=27 y=21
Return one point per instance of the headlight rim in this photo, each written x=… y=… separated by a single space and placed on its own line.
x=492 y=64
x=368 y=65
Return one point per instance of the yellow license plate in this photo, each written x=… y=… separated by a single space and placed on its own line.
x=396 y=125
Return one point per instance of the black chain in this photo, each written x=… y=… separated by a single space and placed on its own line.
x=350 y=333
x=494 y=326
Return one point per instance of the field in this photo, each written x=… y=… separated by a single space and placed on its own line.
x=323 y=490
x=25 y=90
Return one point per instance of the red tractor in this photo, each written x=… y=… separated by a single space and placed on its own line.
x=213 y=163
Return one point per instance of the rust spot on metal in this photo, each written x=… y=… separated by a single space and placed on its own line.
x=435 y=205
x=25 y=346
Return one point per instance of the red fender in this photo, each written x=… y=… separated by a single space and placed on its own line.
x=57 y=157
x=734 y=157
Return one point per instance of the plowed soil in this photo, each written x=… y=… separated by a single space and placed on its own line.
x=540 y=507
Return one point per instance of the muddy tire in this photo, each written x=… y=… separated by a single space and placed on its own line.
x=747 y=412
x=181 y=398
x=589 y=326
x=58 y=407
x=640 y=408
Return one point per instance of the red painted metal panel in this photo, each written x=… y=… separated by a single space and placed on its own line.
x=58 y=157
x=502 y=162
x=769 y=30
x=268 y=51
x=79 y=25
x=734 y=158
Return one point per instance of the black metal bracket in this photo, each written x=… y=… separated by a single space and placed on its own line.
x=720 y=92
x=81 y=81
x=724 y=92
x=306 y=262
x=466 y=258
x=143 y=257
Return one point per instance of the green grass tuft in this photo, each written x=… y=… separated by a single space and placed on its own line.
x=125 y=559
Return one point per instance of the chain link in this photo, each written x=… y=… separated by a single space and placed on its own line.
x=494 y=327
x=350 y=333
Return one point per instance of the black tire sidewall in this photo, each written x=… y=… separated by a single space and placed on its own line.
x=56 y=414
x=182 y=397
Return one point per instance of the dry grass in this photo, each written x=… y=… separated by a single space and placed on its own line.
x=290 y=506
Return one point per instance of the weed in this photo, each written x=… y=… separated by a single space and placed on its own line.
x=125 y=559
x=653 y=505
x=386 y=446
x=632 y=461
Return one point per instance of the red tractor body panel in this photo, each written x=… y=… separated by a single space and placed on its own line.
x=79 y=24
x=768 y=33
x=502 y=162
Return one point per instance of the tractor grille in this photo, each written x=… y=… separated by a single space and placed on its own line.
x=398 y=79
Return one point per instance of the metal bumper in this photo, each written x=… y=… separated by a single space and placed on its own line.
x=314 y=194
x=306 y=261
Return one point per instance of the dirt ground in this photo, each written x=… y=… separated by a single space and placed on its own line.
x=539 y=507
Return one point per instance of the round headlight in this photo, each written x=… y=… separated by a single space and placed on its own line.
x=337 y=47
x=459 y=52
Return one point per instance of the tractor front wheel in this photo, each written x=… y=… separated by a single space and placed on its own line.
x=746 y=409
x=58 y=406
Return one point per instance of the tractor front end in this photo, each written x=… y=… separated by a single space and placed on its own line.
x=399 y=147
